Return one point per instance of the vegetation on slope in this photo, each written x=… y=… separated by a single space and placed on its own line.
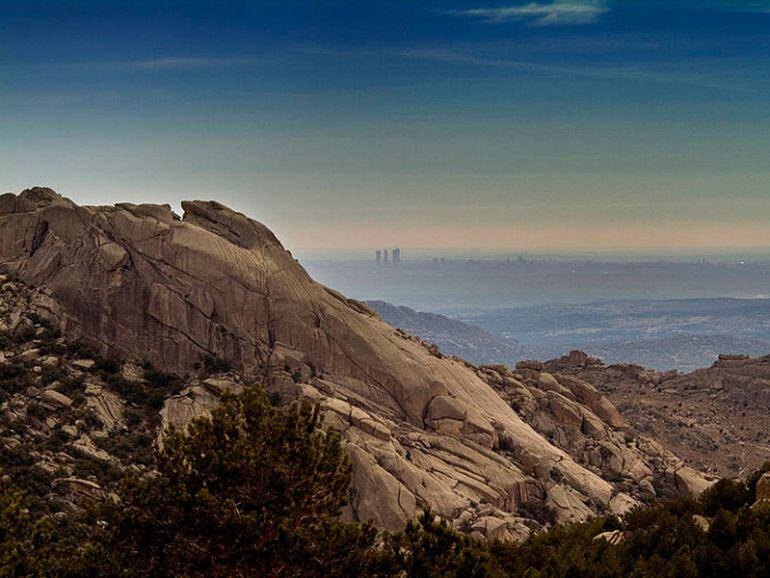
x=258 y=491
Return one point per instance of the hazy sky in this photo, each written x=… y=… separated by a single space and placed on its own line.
x=425 y=123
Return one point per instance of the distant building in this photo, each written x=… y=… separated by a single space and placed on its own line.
x=396 y=256
x=385 y=253
x=378 y=257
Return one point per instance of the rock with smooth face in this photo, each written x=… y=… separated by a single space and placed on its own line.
x=138 y=282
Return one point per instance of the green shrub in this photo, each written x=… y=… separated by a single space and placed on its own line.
x=213 y=365
x=726 y=494
x=81 y=350
x=23 y=537
x=109 y=365
x=14 y=378
x=429 y=547
x=254 y=491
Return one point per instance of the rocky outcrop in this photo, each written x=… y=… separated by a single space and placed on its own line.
x=613 y=537
x=67 y=430
x=763 y=488
x=577 y=418
x=139 y=282
x=715 y=418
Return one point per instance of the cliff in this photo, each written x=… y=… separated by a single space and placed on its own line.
x=140 y=283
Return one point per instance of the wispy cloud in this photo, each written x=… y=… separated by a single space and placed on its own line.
x=695 y=75
x=648 y=74
x=184 y=63
x=557 y=13
x=159 y=64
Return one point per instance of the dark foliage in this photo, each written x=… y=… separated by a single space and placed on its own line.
x=109 y=365
x=253 y=491
x=148 y=396
x=429 y=548
x=213 y=364
x=661 y=540
x=23 y=537
x=14 y=377
x=257 y=491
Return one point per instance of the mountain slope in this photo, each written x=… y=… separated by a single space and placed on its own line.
x=138 y=282
x=452 y=337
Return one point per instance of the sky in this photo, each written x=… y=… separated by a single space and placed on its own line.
x=486 y=124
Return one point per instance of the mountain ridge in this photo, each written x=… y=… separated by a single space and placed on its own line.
x=451 y=336
x=421 y=429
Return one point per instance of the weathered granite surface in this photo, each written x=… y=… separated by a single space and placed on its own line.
x=140 y=282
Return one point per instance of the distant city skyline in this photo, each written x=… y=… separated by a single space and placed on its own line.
x=522 y=125
x=422 y=255
x=381 y=257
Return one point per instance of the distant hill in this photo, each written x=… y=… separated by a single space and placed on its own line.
x=453 y=337
x=682 y=334
x=682 y=352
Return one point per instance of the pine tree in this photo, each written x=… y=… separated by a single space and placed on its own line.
x=23 y=537
x=429 y=548
x=253 y=491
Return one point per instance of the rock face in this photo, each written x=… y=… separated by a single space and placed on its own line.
x=577 y=418
x=715 y=418
x=139 y=282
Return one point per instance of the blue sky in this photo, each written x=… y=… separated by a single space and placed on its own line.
x=545 y=125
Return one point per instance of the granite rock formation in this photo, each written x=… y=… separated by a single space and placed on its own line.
x=715 y=418
x=498 y=453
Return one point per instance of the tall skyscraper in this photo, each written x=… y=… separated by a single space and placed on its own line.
x=378 y=257
x=385 y=253
x=396 y=256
